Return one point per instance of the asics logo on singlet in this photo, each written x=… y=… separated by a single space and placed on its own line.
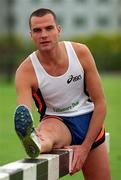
x=74 y=78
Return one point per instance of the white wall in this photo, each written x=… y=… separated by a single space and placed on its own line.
x=91 y=10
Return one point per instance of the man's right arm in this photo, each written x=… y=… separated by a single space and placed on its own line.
x=24 y=86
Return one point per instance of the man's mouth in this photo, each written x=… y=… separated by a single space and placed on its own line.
x=44 y=42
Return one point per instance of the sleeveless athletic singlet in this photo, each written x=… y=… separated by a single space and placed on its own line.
x=63 y=95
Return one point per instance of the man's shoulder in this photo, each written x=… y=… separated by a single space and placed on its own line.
x=25 y=74
x=80 y=48
x=25 y=68
x=25 y=64
x=79 y=45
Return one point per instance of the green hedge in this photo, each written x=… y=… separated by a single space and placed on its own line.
x=105 y=49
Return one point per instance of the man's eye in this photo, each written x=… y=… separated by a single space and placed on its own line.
x=36 y=30
x=49 y=28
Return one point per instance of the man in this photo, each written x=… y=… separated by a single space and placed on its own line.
x=63 y=80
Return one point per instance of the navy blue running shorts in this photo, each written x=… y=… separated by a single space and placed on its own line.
x=78 y=126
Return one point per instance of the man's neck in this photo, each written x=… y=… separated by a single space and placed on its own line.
x=50 y=57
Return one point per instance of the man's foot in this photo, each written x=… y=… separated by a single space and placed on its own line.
x=25 y=130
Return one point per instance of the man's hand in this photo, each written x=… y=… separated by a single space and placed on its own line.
x=80 y=154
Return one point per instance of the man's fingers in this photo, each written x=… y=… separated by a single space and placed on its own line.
x=76 y=165
x=67 y=147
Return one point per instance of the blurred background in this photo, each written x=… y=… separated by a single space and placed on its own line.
x=97 y=23
x=94 y=22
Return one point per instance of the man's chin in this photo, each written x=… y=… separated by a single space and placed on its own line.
x=44 y=49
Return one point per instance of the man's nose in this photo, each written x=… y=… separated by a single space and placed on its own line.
x=44 y=34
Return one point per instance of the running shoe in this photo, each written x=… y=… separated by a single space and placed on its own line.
x=24 y=128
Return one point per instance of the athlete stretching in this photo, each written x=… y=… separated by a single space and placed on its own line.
x=63 y=80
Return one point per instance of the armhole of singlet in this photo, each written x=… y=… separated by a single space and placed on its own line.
x=69 y=45
x=36 y=66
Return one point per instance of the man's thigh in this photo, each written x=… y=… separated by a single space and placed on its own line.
x=96 y=166
x=54 y=129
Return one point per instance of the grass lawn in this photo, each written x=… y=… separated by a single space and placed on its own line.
x=11 y=149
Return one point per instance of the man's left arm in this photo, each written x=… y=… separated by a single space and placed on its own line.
x=95 y=90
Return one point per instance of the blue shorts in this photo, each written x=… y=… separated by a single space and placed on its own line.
x=78 y=126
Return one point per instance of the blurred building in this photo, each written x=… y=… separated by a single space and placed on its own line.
x=77 y=17
x=3 y=12
x=7 y=17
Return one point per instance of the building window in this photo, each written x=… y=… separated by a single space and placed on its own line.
x=81 y=1
x=60 y=20
x=35 y=1
x=57 y=1
x=80 y=21
x=119 y=21
x=103 y=21
x=103 y=1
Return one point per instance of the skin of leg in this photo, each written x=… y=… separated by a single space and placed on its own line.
x=53 y=133
x=97 y=166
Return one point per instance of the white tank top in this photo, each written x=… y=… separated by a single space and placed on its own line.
x=64 y=95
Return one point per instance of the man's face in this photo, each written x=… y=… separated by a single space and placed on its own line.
x=44 y=32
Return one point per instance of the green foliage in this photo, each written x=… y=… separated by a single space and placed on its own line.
x=12 y=51
x=12 y=149
x=106 y=50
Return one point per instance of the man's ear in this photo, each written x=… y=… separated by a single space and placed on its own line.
x=59 y=28
x=30 y=33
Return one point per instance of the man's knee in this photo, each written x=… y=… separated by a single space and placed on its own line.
x=56 y=130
